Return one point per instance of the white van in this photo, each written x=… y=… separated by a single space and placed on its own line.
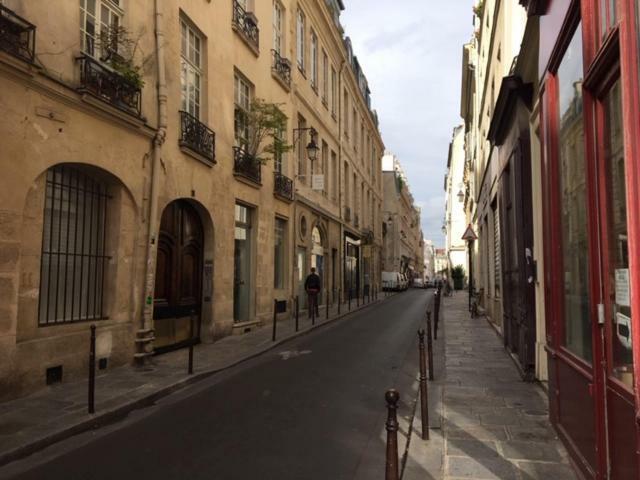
x=391 y=281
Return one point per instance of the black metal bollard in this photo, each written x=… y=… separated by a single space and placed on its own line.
x=350 y=293
x=424 y=398
x=339 y=300
x=191 y=342
x=92 y=370
x=297 y=314
x=429 y=346
x=364 y=296
x=357 y=299
x=326 y=311
x=275 y=320
x=391 y=472
x=436 y=313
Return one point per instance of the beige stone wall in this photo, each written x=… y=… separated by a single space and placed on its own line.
x=47 y=122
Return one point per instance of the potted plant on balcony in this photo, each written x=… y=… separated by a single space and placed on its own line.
x=118 y=50
x=457 y=273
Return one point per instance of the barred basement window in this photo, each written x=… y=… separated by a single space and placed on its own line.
x=73 y=248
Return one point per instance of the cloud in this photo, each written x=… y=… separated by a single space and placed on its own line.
x=411 y=52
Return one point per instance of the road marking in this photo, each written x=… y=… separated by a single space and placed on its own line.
x=286 y=355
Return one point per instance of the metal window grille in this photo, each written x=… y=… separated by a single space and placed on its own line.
x=73 y=261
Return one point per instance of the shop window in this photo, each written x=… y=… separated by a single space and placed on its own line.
x=608 y=14
x=73 y=265
x=618 y=250
x=573 y=203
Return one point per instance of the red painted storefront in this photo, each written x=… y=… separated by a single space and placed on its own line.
x=590 y=132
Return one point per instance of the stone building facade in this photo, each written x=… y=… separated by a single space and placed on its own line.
x=403 y=241
x=130 y=199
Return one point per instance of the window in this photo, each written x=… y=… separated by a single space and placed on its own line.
x=302 y=158
x=346 y=114
x=300 y=33
x=190 y=69
x=242 y=95
x=278 y=163
x=314 y=61
x=278 y=36
x=334 y=90
x=325 y=167
x=279 y=253
x=73 y=261
x=354 y=126
x=325 y=78
x=334 y=176
x=362 y=138
x=99 y=18
x=573 y=202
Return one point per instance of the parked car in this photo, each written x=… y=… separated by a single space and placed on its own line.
x=391 y=281
x=418 y=283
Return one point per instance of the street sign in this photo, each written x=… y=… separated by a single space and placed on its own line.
x=317 y=182
x=469 y=234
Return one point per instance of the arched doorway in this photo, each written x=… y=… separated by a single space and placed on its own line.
x=317 y=258
x=178 y=287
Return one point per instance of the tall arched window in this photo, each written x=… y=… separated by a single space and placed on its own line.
x=73 y=258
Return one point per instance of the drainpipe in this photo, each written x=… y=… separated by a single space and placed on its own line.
x=341 y=249
x=145 y=334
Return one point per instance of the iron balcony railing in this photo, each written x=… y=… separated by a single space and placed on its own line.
x=281 y=67
x=282 y=186
x=246 y=165
x=196 y=136
x=17 y=36
x=109 y=86
x=246 y=24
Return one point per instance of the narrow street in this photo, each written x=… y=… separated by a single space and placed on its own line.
x=310 y=410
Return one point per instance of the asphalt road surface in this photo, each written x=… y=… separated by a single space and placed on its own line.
x=305 y=411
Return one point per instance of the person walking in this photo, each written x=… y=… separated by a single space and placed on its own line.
x=312 y=286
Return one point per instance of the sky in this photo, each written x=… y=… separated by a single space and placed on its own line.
x=411 y=53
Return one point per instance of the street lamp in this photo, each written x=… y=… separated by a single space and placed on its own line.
x=312 y=146
x=470 y=236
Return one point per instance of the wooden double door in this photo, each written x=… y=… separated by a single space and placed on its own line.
x=178 y=287
x=518 y=272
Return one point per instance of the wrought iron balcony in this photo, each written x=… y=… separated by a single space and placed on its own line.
x=281 y=67
x=17 y=36
x=246 y=165
x=282 y=186
x=197 y=137
x=246 y=24
x=109 y=86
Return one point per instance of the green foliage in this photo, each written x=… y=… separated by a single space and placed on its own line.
x=457 y=271
x=118 y=50
x=478 y=10
x=267 y=131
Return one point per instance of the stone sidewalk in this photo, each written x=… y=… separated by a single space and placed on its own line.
x=55 y=413
x=494 y=426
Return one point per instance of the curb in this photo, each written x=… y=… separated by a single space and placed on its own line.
x=117 y=413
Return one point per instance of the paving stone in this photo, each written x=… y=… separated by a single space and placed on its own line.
x=485 y=468
x=478 y=432
x=501 y=419
x=531 y=434
x=545 y=471
x=520 y=450
x=460 y=447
